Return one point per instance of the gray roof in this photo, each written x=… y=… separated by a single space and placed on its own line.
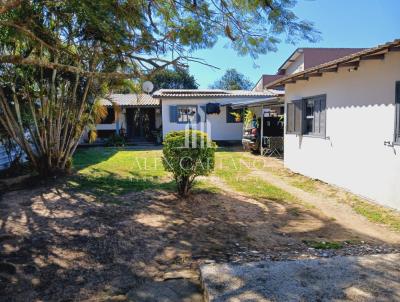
x=204 y=93
x=130 y=100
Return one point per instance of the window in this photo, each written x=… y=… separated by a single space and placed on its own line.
x=307 y=116
x=186 y=114
x=314 y=116
x=110 y=118
x=397 y=102
x=234 y=115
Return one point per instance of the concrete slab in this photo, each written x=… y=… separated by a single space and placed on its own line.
x=364 y=278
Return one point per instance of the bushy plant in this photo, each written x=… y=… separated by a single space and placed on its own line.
x=188 y=154
x=116 y=141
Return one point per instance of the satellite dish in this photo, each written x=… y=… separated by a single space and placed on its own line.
x=147 y=86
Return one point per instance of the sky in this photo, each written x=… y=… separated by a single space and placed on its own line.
x=342 y=23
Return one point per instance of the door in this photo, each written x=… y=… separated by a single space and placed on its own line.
x=140 y=123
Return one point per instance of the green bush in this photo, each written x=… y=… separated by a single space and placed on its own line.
x=116 y=141
x=188 y=154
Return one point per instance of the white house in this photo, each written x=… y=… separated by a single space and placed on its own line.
x=185 y=108
x=343 y=122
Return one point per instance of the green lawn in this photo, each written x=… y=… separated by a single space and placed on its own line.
x=235 y=169
x=110 y=172
x=114 y=171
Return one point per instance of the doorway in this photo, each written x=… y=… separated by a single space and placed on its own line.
x=140 y=123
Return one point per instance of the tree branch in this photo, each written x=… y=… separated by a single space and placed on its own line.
x=19 y=60
x=5 y=6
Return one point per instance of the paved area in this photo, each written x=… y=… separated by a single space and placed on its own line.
x=365 y=278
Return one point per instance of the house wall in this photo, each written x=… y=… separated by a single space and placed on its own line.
x=217 y=126
x=260 y=85
x=360 y=117
x=296 y=66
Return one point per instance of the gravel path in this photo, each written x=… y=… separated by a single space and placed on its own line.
x=366 y=278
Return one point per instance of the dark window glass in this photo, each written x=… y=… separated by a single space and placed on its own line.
x=309 y=122
x=232 y=115
x=110 y=118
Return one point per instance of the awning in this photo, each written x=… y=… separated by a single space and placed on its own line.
x=258 y=102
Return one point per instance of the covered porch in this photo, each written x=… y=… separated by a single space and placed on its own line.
x=135 y=118
x=269 y=118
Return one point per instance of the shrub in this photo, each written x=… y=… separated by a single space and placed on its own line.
x=188 y=154
x=116 y=141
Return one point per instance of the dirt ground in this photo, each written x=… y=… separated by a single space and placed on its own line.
x=60 y=245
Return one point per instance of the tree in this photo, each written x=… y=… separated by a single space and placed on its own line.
x=173 y=79
x=57 y=57
x=233 y=80
x=188 y=154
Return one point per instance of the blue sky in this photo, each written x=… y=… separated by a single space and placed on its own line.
x=342 y=23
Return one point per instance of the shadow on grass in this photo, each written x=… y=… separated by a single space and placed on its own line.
x=109 y=184
x=84 y=158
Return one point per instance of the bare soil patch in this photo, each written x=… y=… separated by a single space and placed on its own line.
x=62 y=245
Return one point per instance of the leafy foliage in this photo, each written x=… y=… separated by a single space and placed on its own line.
x=116 y=141
x=57 y=57
x=173 y=79
x=233 y=80
x=188 y=154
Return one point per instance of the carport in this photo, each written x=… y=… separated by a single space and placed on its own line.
x=270 y=111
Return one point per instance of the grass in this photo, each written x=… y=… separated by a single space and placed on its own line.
x=111 y=172
x=304 y=183
x=235 y=170
x=376 y=213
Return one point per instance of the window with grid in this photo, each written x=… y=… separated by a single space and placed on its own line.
x=307 y=116
x=314 y=116
x=186 y=114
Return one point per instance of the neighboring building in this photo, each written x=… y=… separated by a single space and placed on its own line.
x=301 y=59
x=188 y=108
x=138 y=117
x=343 y=122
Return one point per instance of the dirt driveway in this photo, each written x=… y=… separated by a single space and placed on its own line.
x=61 y=245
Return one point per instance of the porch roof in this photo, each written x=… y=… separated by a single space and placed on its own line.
x=217 y=93
x=130 y=100
x=258 y=102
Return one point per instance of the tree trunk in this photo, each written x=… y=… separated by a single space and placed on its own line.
x=57 y=119
x=183 y=186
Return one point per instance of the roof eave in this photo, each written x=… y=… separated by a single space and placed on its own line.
x=353 y=59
